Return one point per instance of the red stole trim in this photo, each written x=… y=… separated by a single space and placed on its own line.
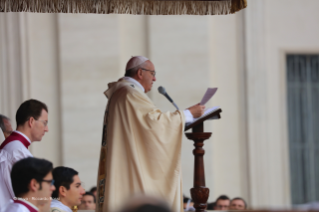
x=13 y=137
x=30 y=208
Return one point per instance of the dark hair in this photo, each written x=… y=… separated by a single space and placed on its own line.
x=27 y=169
x=2 y=126
x=211 y=206
x=90 y=194
x=222 y=197
x=28 y=109
x=239 y=198
x=63 y=176
x=93 y=189
x=186 y=199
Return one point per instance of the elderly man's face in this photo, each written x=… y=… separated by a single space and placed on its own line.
x=8 y=127
x=148 y=76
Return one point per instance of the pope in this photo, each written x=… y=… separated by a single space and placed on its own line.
x=141 y=145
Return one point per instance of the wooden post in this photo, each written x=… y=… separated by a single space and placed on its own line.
x=199 y=192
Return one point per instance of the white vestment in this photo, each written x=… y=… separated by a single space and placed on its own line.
x=57 y=206
x=10 y=154
x=17 y=207
x=141 y=149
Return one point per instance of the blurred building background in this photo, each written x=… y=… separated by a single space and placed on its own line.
x=264 y=61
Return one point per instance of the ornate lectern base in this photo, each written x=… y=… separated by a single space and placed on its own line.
x=200 y=197
x=199 y=193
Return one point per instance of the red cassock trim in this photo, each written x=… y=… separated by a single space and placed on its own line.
x=13 y=137
x=31 y=209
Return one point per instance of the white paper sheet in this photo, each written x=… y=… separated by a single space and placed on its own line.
x=208 y=95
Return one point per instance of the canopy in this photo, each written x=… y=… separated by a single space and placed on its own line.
x=136 y=7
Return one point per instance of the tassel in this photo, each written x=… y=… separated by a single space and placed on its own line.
x=237 y=5
x=136 y=7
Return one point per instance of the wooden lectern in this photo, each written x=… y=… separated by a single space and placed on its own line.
x=199 y=192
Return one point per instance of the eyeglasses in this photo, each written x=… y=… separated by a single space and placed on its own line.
x=48 y=181
x=152 y=72
x=44 y=122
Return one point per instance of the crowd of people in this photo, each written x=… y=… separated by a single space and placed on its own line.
x=223 y=202
x=61 y=187
x=32 y=184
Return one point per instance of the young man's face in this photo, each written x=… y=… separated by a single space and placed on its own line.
x=87 y=203
x=222 y=204
x=40 y=126
x=45 y=191
x=237 y=204
x=75 y=193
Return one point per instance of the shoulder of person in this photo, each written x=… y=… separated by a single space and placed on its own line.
x=14 y=145
x=55 y=209
x=15 y=207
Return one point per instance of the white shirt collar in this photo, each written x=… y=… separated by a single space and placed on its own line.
x=130 y=79
x=57 y=204
x=23 y=135
x=29 y=203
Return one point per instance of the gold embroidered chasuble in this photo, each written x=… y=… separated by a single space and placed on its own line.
x=141 y=150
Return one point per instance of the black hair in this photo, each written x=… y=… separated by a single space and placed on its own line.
x=93 y=189
x=28 y=109
x=90 y=194
x=222 y=197
x=186 y=199
x=239 y=198
x=27 y=169
x=63 y=176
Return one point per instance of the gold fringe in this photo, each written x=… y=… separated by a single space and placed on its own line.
x=237 y=5
x=136 y=7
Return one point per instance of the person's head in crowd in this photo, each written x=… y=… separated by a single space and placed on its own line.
x=142 y=70
x=88 y=202
x=32 y=180
x=32 y=119
x=5 y=125
x=68 y=185
x=145 y=203
x=187 y=203
x=222 y=203
x=238 y=204
x=211 y=206
x=93 y=190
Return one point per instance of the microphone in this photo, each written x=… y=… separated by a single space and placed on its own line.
x=162 y=90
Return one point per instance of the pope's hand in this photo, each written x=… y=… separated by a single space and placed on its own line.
x=197 y=110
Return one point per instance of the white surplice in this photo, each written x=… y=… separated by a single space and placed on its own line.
x=17 y=207
x=10 y=154
x=56 y=206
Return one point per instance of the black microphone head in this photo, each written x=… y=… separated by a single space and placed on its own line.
x=162 y=90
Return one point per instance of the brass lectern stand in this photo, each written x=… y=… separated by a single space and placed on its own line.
x=199 y=192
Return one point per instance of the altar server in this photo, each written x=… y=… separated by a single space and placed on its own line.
x=69 y=191
x=32 y=124
x=32 y=184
